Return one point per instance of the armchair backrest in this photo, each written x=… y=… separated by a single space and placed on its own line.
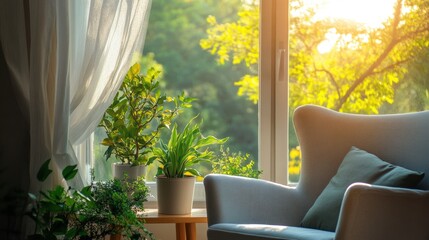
x=325 y=137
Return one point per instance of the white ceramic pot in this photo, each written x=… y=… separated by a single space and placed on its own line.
x=175 y=195
x=120 y=170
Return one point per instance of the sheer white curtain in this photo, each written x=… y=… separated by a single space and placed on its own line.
x=67 y=60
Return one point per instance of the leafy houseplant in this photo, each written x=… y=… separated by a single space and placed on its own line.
x=138 y=112
x=114 y=208
x=177 y=158
x=95 y=211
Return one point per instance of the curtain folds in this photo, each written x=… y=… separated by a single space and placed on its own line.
x=67 y=60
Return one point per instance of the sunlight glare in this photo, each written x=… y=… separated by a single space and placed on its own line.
x=372 y=13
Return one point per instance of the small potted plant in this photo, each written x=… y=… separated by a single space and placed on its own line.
x=94 y=212
x=134 y=120
x=176 y=175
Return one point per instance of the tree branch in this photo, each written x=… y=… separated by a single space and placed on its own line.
x=332 y=79
x=370 y=71
x=391 y=66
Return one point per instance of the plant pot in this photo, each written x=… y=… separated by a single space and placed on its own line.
x=120 y=170
x=175 y=195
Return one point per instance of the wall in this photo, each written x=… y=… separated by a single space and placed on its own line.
x=14 y=155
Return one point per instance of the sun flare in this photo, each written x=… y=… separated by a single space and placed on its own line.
x=371 y=13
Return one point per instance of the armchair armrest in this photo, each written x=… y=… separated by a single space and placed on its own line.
x=232 y=199
x=376 y=212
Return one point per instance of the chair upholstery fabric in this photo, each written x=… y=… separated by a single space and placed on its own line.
x=325 y=136
x=265 y=232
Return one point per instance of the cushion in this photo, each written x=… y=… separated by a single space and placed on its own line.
x=357 y=166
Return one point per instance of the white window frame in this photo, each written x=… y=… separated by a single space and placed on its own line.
x=273 y=90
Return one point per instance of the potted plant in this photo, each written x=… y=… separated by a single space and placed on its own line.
x=94 y=212
x=134 y=119
x=176 y=175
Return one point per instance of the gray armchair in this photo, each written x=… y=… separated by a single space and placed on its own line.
x=242 y=208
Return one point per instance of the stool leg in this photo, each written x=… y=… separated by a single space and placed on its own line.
x=180 y=231
x=191 y=231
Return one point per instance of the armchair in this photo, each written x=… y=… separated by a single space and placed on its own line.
x=242 y=208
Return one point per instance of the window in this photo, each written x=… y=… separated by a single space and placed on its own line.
x=356 y=56
x=174 y=40
x=310 y=53
x=173 y=45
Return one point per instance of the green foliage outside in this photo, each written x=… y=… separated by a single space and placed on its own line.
x=359 y=74
x=236 y=164
x=174 y=31
x=294 y=167
x=172 y=48
x=237 y=42
x=368 y=70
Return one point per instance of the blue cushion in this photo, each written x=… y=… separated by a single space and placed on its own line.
x=357 y=166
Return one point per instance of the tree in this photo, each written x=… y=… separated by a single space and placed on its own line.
x=174 y=31
x=358 y=74
x=238 y=40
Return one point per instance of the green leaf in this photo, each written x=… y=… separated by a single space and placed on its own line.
x=57 y=193
x=69 y=172
x=134 y=70
x=84 y=195
x=110 y=111
x=151 y=160
x=71 y=233
x=86 y=191
x=163 y=125
x=193 y=172
x=44 y=171
x=32 y=196
x=59 y=226
x=210 y=140
x=108 y=152
x=160 y=171
x=107 y=142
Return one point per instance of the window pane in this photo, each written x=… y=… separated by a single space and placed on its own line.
x=175 y=44
x=358 y=56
